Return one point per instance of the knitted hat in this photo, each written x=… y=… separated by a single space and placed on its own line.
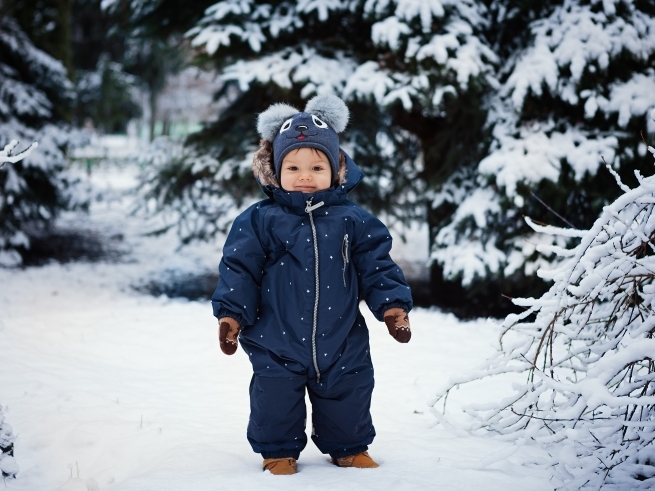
x=317 y=127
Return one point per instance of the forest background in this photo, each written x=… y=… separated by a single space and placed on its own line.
x=467 y=117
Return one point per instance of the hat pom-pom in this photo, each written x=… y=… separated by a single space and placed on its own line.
x=270 y=121
x=330 y=109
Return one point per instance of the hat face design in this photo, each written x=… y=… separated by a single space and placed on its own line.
x=302 y=126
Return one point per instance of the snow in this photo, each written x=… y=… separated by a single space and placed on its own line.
x=369 y=79
x=410 y=9
x=631 y=99
x=110 y=389
x=322 y=7
x=388 y=31
x=319 y=75
x=222 y=9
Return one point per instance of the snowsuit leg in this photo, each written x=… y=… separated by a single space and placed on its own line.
x=277 y=416
x=341 y=415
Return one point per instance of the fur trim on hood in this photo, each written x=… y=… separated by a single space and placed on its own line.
x=263 y=166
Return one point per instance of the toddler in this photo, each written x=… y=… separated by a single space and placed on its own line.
x=293 y=270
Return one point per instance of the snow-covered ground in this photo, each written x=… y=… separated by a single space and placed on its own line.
x=110 y=389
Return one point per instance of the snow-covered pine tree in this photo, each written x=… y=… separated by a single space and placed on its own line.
x=576 y=80
x=429 y=71
x=105 y=95
x=154 y=43
x=587 y=350
x=411 y=73
x=181 y=182
x=47 y=24
x=8 y=465
x=34 y=92
x=105 y=91
x=153 y=18
x=436 y=88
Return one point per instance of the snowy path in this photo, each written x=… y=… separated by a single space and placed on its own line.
x=135 y=390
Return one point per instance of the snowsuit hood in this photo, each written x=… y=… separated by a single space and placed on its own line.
x=348 y=176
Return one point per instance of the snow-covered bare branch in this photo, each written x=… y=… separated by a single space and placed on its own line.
x=586 y=350
x=6 y=154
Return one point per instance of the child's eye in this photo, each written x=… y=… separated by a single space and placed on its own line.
x=292 y=167
x=318 y=168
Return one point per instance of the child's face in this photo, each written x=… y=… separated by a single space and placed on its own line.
x=306 y=170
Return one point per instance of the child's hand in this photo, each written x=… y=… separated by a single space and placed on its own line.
x=228 y=331
x=398 y=324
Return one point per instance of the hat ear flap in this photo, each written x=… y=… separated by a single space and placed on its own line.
x=330 y=109
x=270 y=121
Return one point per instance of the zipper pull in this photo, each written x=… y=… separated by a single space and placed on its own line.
x=344 y=254
x=309 y=208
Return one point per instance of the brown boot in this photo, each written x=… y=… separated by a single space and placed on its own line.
x=360 y=460
x=282 y=466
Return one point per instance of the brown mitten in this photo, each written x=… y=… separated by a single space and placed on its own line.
x=398 y=324
x=228 y=332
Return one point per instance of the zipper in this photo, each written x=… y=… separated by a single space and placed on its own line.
x=344 y=254
x=308 y=209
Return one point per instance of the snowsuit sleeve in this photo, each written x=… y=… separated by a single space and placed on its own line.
x=240 y=271
x=382 y=282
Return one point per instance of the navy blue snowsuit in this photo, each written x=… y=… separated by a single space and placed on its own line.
x=293 y=269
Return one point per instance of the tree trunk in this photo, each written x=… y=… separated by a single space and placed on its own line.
x=153 y=113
